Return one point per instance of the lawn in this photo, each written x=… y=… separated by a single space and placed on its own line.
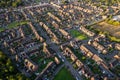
x=114 y=39
x=112 y=22
x=78 y=35
x=14 y=24
x=37 y=1
x=41 y=61
x=2 y=29
x=64 y=74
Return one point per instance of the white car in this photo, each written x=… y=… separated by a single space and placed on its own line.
x=62 y=60
x=59 y=56
x=77 y=78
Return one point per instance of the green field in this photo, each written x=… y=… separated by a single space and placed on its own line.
x=14 y=24
x=112 y=38
x=78 y=35
x=64 y=74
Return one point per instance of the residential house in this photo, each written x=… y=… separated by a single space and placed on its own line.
x=30 y=65
x=69 y=53
x=86 y=31
x=79 y=63
x=117 y=46
x=65 y=33
x=36 y=33
x=99 y=47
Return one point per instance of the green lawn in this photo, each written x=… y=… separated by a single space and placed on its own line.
x=64 y=74
x=2 y=29
x=114 y=39
x=14 y=24
x=42 y=62
x=112 y=22
x=37 y=1
x=78 y=35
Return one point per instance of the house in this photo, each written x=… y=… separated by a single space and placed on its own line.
x=54 y=17
x=30 y=65
x=55 y=24
x=48 y=51
x=117 y=56
x=116 y=18
x=97 y=59
x=86 y=51
x=65 y=33
x=86 y=72
x=99 y=47
x=86 y=31
x=49 y=68
x=117 y=46
x=36 y=33
x=75 y=44
x=73 y=57
x=57 y=60
x=69 y=53
x=55 y=5
x=54 y=37
x=79 y=63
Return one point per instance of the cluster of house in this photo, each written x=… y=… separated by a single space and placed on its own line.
x=83 y=69
x=99 y=47
x=48 y=30
x=90 y=52
x=85 y=13
x=9 y=17
x=28 y=51
x=27 y=47
x=52 y=26
x=87 y=32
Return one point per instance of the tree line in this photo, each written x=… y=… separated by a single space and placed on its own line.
x=10 y=3
x=8 y=70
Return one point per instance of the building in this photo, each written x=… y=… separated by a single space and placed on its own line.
x=86 y=31
x=99 y=47
x=116 y=18
x=30 y=65
x=117 y=46
x=65 y=33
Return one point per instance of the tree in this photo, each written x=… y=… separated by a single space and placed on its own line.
x=8 y=71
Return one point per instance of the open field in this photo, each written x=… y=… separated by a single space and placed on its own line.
x=64 y=74
x=114 y=31
x=78 y=35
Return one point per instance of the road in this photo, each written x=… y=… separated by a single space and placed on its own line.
x=67 y=64
x=59 y=53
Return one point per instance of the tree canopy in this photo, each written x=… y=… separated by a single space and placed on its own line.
x=8 y=70
x=10 y=3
